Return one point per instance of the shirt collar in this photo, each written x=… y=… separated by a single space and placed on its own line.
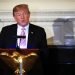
x=26 y=27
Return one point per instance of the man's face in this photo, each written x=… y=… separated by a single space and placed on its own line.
x=22 y=17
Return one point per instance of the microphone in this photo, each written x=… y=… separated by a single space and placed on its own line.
x=18 y=37
x=21 y=36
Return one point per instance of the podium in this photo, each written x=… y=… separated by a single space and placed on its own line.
x=20 y=61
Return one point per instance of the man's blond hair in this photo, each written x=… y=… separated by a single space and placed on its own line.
x=21 y=7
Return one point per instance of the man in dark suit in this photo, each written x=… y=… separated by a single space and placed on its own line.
x=35 y=36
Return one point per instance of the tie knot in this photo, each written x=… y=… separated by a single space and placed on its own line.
x=23 y=28
x=23 y=32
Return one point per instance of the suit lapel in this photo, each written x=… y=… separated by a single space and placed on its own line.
x=15 y=30
x=14 y=35
x=30 y=36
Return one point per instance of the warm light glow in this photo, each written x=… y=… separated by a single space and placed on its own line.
x=31 y=54
x=20 y=59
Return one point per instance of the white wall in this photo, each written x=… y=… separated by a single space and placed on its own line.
x=39 y=5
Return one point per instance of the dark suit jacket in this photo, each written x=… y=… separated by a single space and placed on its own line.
x=36 y=40
x=36 y=37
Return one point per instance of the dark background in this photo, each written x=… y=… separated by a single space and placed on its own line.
x=62 y=60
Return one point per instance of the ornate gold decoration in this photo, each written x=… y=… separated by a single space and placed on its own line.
x=16 y=59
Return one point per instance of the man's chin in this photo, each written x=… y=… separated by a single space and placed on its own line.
x=23 y=24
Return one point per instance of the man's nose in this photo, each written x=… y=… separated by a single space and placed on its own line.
x=22 y=17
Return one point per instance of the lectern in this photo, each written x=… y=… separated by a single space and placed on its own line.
x=20 y=61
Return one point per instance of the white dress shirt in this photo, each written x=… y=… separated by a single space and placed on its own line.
x=19 y=34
